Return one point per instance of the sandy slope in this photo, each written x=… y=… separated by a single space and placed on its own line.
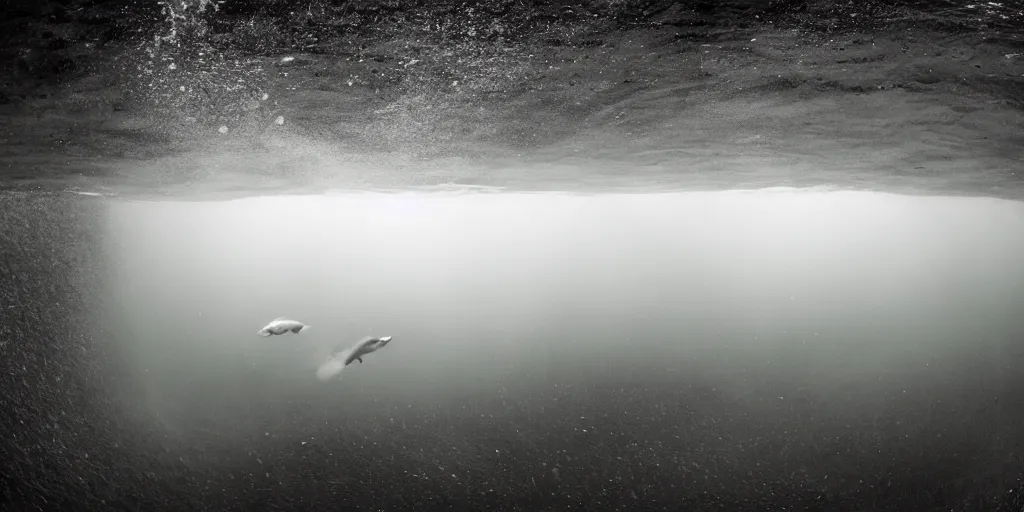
x=651 y=107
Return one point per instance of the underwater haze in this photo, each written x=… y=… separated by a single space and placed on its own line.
x=493 y=190
x=778 y=349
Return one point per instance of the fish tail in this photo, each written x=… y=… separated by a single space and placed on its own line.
x=333 y=368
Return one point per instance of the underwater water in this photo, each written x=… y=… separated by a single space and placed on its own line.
x=779 y=349
x=642 y=349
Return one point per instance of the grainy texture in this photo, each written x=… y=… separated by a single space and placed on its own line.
x=114 y=95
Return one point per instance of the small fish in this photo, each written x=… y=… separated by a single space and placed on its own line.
x=342 y=358
x=282 y=325
x=364 y=346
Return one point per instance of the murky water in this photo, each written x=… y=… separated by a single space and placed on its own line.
x=722 y=350
x=773 y=349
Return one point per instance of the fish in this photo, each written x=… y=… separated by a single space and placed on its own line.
x=340 y=359
x=282 y=325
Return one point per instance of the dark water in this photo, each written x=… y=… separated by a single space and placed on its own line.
x=770 y=350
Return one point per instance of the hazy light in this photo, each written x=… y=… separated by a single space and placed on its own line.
x=476 y=285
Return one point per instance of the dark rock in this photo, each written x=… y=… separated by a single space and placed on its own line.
x=57 y=44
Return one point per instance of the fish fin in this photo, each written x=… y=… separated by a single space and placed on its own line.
x=330 y=370
x=360 y=360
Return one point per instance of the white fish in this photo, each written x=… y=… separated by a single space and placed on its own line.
x=282 y=325
x=342 y=358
